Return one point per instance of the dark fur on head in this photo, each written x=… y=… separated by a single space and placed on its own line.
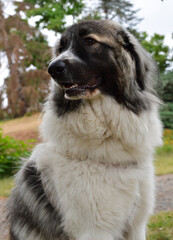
x=115 y=58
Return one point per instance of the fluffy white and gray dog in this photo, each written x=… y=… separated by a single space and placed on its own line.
x=92 y=177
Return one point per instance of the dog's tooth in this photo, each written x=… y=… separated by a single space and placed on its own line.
x=75 y=85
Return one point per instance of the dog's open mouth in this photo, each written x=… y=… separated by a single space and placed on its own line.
x=76 y=91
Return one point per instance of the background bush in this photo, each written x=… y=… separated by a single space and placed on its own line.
x=11 y=151
x=166 y=93
x=166 y=114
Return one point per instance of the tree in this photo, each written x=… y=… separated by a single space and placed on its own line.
x=119 y=10
x=156 y=47
x=167 y=96
x=162 y=55
x=11 y=43
x=24 y=47
x=53 y=13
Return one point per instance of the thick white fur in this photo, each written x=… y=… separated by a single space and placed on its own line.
x=99 y=161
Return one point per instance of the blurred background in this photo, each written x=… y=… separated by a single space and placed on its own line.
x=28 y=30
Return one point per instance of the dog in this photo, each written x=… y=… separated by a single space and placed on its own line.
x=92 y=177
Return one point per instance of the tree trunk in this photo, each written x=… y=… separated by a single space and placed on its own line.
x=16 y=105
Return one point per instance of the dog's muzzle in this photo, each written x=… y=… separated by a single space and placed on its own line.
x=73 y=87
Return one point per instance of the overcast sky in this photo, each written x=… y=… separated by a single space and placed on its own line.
x=158 y=17
x=157 y=14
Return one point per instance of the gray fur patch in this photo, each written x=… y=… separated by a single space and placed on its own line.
x=29 y=210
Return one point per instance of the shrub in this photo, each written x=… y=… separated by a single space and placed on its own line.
x=166 y=94
x=11 y=151
x=167 y=143
x=166 y=114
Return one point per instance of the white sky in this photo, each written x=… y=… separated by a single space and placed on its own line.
x=158 y=18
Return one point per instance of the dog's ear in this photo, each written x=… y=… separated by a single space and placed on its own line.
x=131 y=45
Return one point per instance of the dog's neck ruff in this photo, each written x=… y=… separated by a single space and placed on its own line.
x=103 y=131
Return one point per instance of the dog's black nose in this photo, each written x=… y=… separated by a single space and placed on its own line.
x=56 y=67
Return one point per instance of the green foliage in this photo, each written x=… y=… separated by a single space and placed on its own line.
x=52 y=13
x=166 y=114
x=155 y=46
x=161 y=226
x=167 y=86
x=160 y=52
x=11 y=151
x=6 y=185
x=164 y=154
x=168 y=142
x=39 y=50
x=166 y=93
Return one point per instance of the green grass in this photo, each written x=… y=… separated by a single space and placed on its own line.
x=6 y=184
x=160 y=226
x=164 y=155
x=164 y=163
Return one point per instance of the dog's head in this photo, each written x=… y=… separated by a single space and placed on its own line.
x=100 y=57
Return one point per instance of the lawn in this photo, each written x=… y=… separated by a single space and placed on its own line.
x=164 y=155
x=6 y=184
x=164 y=164
x=160 y=226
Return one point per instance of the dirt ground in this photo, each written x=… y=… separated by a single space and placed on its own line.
x=24 y=128
x=164 y=196
x=164 y=193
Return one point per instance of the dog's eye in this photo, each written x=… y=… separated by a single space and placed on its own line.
x=89 y=41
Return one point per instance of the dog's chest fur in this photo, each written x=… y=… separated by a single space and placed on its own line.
x=103 y=131
x=93 y=196
x=98 y=158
